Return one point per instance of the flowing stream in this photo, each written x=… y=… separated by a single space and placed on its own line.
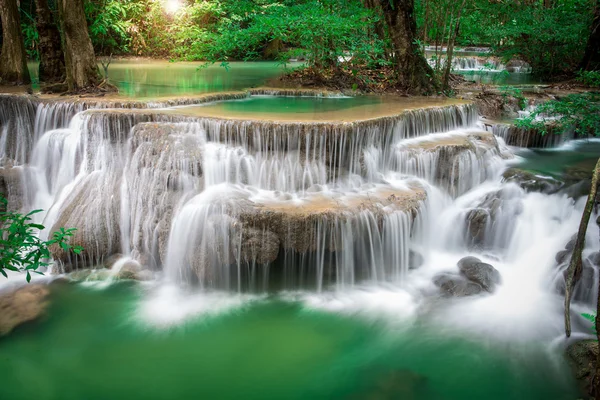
x=293 y=245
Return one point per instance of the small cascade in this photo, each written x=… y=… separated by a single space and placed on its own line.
x=470 y=63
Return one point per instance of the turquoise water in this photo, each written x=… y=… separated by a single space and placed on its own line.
x=577 y=154
x=303 y=105
x=94 y=345
x=151 y=78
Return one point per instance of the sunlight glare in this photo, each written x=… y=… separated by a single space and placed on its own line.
x=172 y=6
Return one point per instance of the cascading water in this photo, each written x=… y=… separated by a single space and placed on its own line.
x=261 y=205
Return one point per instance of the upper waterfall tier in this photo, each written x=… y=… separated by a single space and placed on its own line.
x=218 y=200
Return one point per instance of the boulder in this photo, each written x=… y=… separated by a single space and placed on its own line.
x=129 y=270
x=531 y=182
x=479 y=272
x=24 y=304
x=456 y=286
x=582 y=357
x=563 y=256
x=490 y=222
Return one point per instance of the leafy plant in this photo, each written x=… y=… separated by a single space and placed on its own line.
x=577 y=113
x=589 y=78
x=21 y=249
x=511 y=91
x=591 y=318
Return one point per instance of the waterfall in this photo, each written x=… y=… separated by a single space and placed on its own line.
x=258 y=205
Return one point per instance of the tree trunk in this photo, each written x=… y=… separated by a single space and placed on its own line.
x=13 y=60
x=412 y=71
x=82 y=69
x=450 y=49
x=575 y=267
x=52 y=63
x=591 y=57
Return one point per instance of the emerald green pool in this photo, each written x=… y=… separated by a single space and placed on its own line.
x=152 y=78
x=276 y=105
x=95 y=345
x=577 y=154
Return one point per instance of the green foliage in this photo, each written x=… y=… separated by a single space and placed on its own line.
x=21 y=250
x=319 y=31
x=589 y=78
x=591 y=318
x=578 y=113
x=550 y=38
x=511 y=91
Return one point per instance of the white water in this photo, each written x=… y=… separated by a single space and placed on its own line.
x=189 y=198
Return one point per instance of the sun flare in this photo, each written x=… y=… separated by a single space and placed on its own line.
x=172 y=6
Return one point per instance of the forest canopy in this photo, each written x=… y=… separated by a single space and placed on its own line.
x=548 y=34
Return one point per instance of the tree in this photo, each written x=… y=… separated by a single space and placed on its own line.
x=13 y=60
x=413 y=72
x=591 y=57
x=52 y=63
x=82 y=69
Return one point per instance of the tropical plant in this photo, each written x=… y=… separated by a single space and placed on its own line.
x=589 y=78
x=577 y=113
x=592 y=318
x=21 y=249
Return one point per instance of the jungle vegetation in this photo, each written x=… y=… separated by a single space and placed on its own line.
x=386 y=38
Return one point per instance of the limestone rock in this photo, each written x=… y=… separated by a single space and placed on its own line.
x=456 y=285
x=490 y=222
x=582 y=357
x=531 y=182
x=25 y=304
x=479 y=272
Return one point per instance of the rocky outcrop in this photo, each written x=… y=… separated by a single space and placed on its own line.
x=93 y=209
x=475 y=277
x=489 y=224
x=479 y=272
x=531 y=182
x=456 y=286
x=11 y=187
x=455 y=161
x=582 y=356
x=24 y=304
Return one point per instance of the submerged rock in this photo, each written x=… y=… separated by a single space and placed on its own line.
x=456 y=285
x=582 y=357
x=479 y=272
x=25 y=304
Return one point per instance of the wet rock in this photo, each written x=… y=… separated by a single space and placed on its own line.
x=11 y=187
x=584 y=289
x=490 y=223
x=110 y=261
x=477 y=221
x=563 y=256
x=93 y=209
x=570 y=246
x=594 y=258
x=531 y=182
x=22 y=305
x=415 y=259
x=479 y=272
x=130 y=270
x=261 y=246
x=456 y=285
x=582 y=357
